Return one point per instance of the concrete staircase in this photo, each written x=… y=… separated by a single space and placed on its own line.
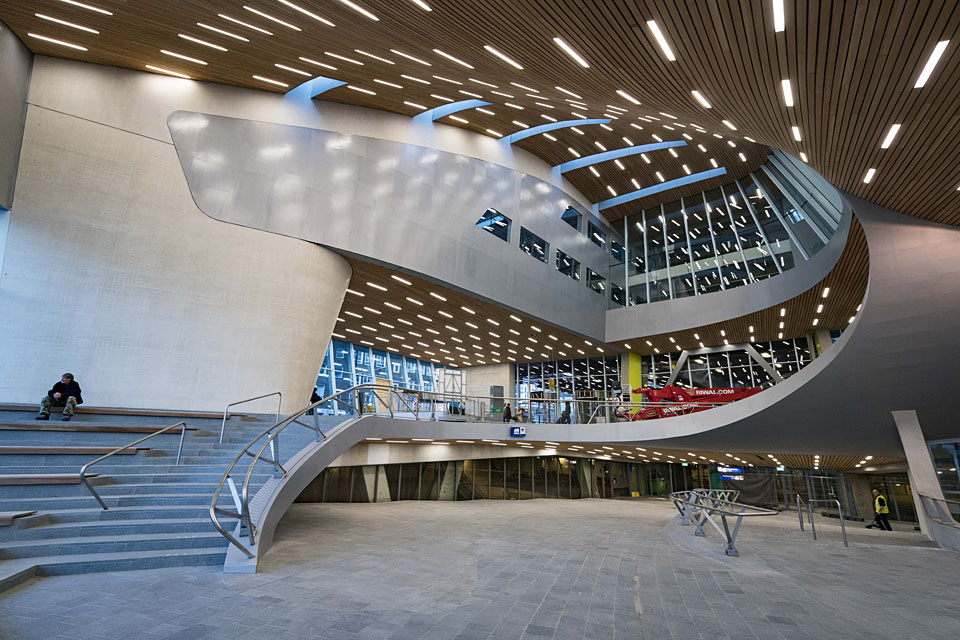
x=157 y=514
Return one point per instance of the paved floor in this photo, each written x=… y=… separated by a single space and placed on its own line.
x=532 y=569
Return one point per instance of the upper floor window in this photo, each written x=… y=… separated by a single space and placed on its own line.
x=496 y=223
x=596 y=234
x=534 y=245
x=572 y=217
x=596 y=282
x=567 y=265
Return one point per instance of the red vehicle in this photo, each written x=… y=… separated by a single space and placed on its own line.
x=677 y=401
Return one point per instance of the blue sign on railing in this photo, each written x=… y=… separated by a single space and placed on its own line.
x=730 y=469
x=518 y=432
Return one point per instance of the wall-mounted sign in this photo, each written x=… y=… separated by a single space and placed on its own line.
x=731 y=476
x=518 y=432
x=730 y=469
x=781 y=468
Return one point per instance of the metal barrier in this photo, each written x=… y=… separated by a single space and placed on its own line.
x=83 y=469
x=813 y=526
x=223 y=424
x=938 y=510
x=700 y=505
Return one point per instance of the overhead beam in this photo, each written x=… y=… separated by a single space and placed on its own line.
x=606 y=156
x=312 y=88
x=663 y=186
x=550 y=126
x=446 y=109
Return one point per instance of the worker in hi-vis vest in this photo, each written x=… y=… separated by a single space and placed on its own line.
x=880 y=510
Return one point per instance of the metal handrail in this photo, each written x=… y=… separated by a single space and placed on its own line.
x=233 y=404
x=943 y=514
x=813 y=527
x=242 y=501
x=699 y=505
x=83 y=469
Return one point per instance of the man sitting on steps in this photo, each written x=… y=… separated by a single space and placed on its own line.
x=66 y=394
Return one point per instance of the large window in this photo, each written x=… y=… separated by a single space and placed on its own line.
x=572 y=217
x=567 y=265
x=543 y=388
x=346 y=365
x=596 y=282
x=597 y=235
x=534 y=245
x=496 y=223
x=749 y=230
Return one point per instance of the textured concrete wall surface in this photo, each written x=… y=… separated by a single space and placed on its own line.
x=112 y=272
x=15 y=63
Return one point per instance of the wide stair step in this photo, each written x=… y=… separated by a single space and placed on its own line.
x=112 y=544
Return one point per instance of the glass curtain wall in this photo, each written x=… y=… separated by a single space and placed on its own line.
x=546 y=386
x=729 y=369
x=346 y=365
x=743 y=232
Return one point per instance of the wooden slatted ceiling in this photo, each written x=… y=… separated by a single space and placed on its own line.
x=847 y=282
x=411 y=335
x=852 y=65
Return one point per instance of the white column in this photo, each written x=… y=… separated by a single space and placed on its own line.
x=920 y=469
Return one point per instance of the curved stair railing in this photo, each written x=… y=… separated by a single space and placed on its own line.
x=270 y=438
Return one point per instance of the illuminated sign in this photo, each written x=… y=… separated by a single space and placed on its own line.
x=518 y=432
x=730 y=469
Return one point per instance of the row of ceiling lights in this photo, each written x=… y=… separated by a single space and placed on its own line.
x=452 y=333
x=782 y=314
x=779 y=26
x=577 y=103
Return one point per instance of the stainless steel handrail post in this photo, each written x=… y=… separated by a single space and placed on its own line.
x=83 y=469
x=813 y=526
x=223 y=424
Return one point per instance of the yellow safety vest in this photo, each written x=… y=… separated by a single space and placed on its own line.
x=876 y=505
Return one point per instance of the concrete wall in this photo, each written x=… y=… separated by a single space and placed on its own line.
x=112 y=272
x=15 y=63
x=479 y=379
x=142 y=102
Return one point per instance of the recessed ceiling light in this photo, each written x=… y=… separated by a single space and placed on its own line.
x=306 y=13
x=454 y=59
x=701 y=99
x=370 y=55
x=359 y=9
x=199 y=41
x=55 y=41
x=222 y=32
x=787 y=92
x=292 y=70
x=891 y=134
x=627 y=96
x=88 y=7
x=167 y=71
x=270 y=17
x=244 y=24
x=803 y=156
x=729 y=124
x=321 y=64
x=410 y=57
x=796 y=133
x=870 y=173
x=931 y=63
x=661 y=40
x=513 y=63
x=570 y=52
x=71 y=24
x=270 y=81
x=344 y=58
x=361 y=89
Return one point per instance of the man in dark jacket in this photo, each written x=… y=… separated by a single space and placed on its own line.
x=66 y=394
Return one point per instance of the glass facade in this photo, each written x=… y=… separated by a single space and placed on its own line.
x=730 y=369
x=946 y=460
x=521 y=478
x=548 y=385
x=346 y=365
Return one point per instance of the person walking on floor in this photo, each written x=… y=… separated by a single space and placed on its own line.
x=507 y=414
x=880 y=510
x=66 y=394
